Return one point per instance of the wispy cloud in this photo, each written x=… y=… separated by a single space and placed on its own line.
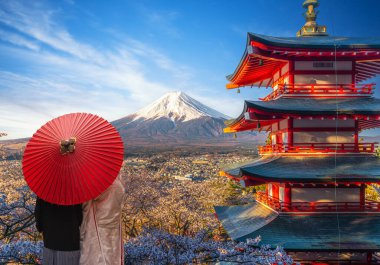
x=31 y=19
x=18 y=40
x=164 y=21
x=61 y=74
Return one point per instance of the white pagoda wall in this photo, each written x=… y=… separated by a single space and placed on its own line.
x=317 y=123
x=331 y=136
x=317 y=66
x=323 y=137
x=322 y=65
x=323 y=79
x=325 y=194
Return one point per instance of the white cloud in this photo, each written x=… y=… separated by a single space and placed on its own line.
x=38 y=23
x=111 y=82
x=18 y=40
x=163 y=20
x=60 y=74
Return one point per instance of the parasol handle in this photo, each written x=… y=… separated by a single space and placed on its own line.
x=68 y=146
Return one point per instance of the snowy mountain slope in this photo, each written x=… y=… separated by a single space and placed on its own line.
x=177 y=106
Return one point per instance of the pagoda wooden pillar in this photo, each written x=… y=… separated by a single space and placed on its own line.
x=291 y=72
x=290 y=132
x=287 y=196
x=275 y=191
x=362 y=195
x=356 y=136
x=369 y=257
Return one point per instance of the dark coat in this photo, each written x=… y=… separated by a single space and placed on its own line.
x=59 y=225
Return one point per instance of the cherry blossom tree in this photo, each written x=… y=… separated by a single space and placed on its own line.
x=18 y=236
x=21 y=252
x=181 y=208
x=159 y=247
x=2 y=151
x=17 y=216
x=165 y=222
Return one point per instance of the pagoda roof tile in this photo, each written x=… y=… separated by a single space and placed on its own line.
x=318 y=42
x=240 y=220
x=342 y=232
x=261 y=57
x=318 y=106
x=309 y=106
x=295 y=232
x=317 y=168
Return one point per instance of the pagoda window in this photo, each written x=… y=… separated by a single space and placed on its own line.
x=281 y=194
x=273 y=138
x=269 y=190
x=349 y=194
x=284 y=137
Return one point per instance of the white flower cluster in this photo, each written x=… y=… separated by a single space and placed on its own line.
x=21 y=252
x=159 y=247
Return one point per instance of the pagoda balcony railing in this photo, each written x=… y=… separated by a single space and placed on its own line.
x=318 y=148
x=277 y=205
x=323 y=90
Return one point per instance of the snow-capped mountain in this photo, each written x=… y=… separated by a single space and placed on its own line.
x=177 y=106
x=173 y=118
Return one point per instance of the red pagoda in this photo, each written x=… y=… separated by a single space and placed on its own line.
x=314 y=165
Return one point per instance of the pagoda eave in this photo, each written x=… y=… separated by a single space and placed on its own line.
x=254 y=68
x=323 y=42
x=257 y=115
x=264 y=55
x=312 y=232
x=318 y=169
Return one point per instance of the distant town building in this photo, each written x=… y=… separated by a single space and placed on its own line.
x=182 y=178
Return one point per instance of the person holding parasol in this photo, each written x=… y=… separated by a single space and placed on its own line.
x=70 y=163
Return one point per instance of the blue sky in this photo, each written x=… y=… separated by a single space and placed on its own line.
x=113 y=57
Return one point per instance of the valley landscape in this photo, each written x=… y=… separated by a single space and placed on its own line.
x=174 y=151
x=175 y=122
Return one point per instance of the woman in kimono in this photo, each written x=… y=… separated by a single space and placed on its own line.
x=59 y=226
x=101 y=235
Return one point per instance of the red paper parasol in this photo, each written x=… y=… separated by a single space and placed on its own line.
x=73 y=158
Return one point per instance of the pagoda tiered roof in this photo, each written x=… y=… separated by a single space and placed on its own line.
x=264 y=55
x=258 y=114
x=316 y=42
x=302 y=232
x=313 y=169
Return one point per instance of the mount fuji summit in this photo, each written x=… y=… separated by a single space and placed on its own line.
x=174 y=118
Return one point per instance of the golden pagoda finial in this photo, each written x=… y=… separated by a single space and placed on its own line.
x=311 y=27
